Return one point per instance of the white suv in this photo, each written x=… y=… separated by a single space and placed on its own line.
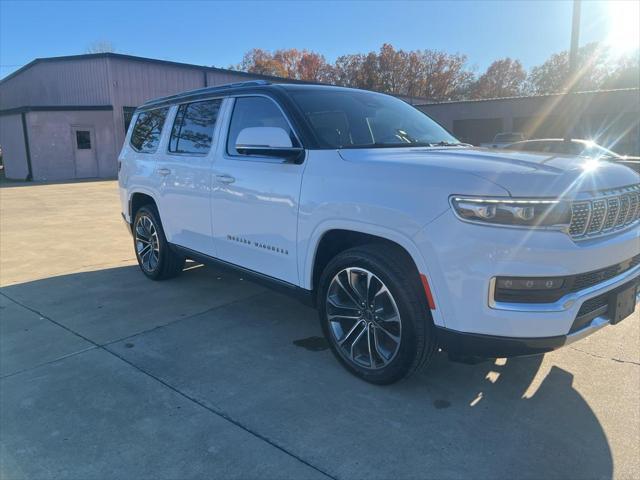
x=404 y=239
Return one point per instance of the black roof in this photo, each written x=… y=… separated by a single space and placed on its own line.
x=252 y=86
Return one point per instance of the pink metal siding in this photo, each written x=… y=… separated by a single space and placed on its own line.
x=135 y=82
x=68 y=82
x=118 y=81
x=14 y=153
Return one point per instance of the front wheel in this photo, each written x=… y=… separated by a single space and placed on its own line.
x=155 y=258
x=374 y=313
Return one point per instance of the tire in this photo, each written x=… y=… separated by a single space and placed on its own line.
x=155 y=257
x=395 y=349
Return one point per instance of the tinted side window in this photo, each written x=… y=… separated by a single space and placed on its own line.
x=255 y=112
x=146 y=132
x=193 y=127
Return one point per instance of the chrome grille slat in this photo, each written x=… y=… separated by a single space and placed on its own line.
x=613 y=206
x=633 y=208
x=605 y=212
x=598 y=213
x=624 y=209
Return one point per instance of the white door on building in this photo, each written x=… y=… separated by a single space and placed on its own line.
x=84 y=145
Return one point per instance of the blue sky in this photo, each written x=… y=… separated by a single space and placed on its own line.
x=218 y=33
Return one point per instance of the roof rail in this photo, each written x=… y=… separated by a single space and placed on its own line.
x=226 y=86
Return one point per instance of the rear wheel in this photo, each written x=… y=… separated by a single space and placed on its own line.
x=155 y=258
x=374 y=314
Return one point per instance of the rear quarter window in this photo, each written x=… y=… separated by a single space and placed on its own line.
x=145 y=136
x=193 y=127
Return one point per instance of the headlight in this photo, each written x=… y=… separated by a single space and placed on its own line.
x=522 y=212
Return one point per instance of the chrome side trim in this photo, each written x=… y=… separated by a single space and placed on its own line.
x=568 y=300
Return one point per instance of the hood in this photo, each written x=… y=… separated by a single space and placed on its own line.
x=521 y=173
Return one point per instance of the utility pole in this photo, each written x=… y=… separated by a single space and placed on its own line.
x=573 y=67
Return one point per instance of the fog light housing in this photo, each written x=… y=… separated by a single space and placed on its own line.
x=529 y=289
x=515 y=283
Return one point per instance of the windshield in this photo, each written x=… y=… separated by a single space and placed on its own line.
x=356 y=119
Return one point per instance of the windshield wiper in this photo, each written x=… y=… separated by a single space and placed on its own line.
x=389 y=145
x=451 y=144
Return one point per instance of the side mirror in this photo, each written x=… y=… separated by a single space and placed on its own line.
x=268 y=142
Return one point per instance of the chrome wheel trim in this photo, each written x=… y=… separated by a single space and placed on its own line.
x=363 y=318
x=147 y=243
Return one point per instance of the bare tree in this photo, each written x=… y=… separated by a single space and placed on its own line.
x=100 y=46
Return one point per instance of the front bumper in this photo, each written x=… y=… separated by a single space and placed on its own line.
x=490 y=346
x=462 y=259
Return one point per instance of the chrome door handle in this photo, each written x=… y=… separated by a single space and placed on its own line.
x=163 y=171
x=225 y=178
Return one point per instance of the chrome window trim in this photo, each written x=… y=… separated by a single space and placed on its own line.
x=567 y=301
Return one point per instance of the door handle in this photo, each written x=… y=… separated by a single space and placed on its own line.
x=164 y=171
x=225 y=178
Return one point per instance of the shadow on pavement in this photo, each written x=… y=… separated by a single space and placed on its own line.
x=240 y=350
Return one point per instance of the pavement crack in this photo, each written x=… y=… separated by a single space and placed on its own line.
x=180 y=319
x=44 y=364
x=201 y=404
x=224 y=416
x=595 y=355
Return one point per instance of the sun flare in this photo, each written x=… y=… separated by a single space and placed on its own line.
x=624 y=25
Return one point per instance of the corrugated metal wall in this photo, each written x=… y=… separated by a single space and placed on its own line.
x=68 y=82
x=612 y=117
x=105 y=80
x=14 y=152
x=215 y=78
x=135 y=82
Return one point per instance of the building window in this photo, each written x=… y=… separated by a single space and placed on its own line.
x=193 y=127
x=83 y=140
x=147 y=130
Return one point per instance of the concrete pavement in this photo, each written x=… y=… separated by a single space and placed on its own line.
x=105 y=374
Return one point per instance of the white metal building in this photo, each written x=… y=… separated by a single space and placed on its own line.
x=66 y=117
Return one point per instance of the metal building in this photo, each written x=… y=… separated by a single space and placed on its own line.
x=609 y=117
x=66 y=117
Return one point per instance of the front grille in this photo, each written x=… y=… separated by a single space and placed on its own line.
x=589 y=310
x=607 y=212
x=589 y=279
x=594 y=304
x=571 y=284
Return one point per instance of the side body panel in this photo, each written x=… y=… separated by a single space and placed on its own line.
x=254 y=204
x=381 y=199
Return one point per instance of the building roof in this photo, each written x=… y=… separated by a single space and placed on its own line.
x=250 y=76
x=146 y=60
x=520 y=97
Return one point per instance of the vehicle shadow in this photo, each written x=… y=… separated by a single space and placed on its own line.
x=502 y=418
